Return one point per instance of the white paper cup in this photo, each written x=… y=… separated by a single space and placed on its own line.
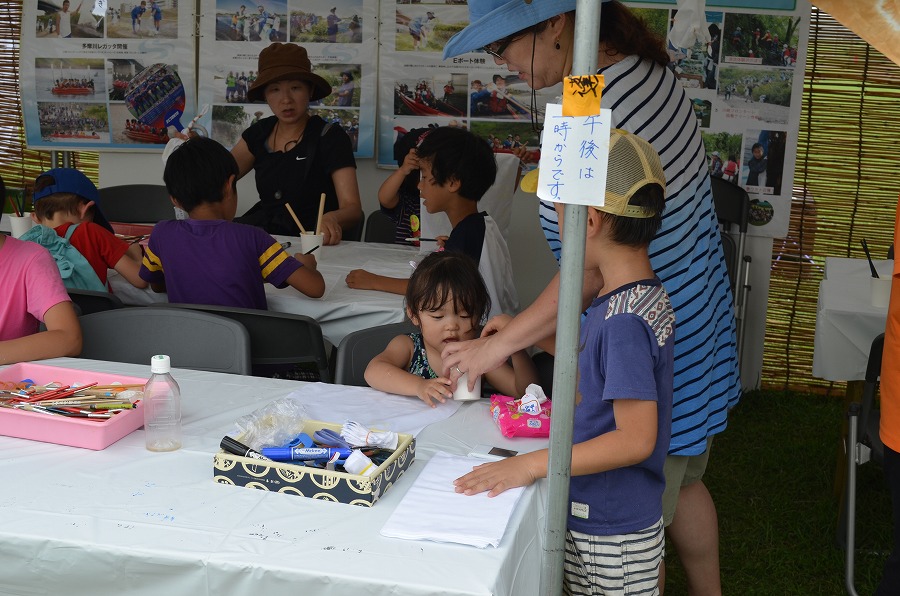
x=309 y=241
x=881 y=291
x=462 y=392
x=19 y=224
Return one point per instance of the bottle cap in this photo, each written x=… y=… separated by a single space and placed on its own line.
x=160 y=364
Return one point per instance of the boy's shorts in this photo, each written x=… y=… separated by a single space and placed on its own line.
x=681 y=470
x=609 y=564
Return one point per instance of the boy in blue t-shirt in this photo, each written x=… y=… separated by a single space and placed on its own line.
x=136 y=13
x=456 y=168
x=623 y=413
x=156 y=12
x=209 y=259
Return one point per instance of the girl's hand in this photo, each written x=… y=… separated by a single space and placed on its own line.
x=434 y=390
x=410 y=163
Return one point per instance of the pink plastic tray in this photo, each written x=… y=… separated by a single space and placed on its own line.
x=66 y=431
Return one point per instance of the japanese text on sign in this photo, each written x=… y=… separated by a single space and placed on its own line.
x=574 y=157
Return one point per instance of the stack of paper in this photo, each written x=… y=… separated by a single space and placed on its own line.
x=433 y=510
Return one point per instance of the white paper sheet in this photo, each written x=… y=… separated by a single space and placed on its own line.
x=375 y=409
x=433 y=510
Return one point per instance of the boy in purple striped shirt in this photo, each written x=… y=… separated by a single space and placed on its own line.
x=208 y=259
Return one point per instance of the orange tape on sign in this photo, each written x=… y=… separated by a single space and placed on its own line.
x=581 y=95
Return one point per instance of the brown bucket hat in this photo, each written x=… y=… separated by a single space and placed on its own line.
x=283 y=62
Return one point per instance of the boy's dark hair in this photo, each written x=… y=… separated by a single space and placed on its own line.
x=457 y=154
x=639 y=231
x=448 y=273
x=757 y=146
x=197 y=171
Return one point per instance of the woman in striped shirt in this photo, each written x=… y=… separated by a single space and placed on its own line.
x=536 y=40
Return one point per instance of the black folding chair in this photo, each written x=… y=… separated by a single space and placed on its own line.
x=358 y=348
x=732 y=205
x=380 y=228
x=276 y=338
x=136 y=203
x=863 y=445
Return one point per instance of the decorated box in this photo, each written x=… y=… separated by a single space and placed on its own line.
x=316 y=483
x=75 y=432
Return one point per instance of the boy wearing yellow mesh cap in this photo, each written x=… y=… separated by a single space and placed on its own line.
x=623 y=415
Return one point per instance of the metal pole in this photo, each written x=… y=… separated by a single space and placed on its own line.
x=60 y=159
x=565 y=368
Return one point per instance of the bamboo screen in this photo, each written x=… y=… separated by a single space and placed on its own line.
x=846 y=189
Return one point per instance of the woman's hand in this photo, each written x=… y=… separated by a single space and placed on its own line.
x=495 y=325
x=332 y=232
x=441 y=240
x=475 y=357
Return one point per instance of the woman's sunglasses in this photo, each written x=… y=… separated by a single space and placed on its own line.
x=497 y=48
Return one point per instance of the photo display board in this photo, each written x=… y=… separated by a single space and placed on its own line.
x=745 y=85
x=339 y=37
x=98 y=76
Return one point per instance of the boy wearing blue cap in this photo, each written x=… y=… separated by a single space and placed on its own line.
x=65 y=198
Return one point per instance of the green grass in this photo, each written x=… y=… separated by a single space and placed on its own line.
x=772 y=475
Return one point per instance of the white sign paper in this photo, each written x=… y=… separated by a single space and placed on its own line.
x=574 y=155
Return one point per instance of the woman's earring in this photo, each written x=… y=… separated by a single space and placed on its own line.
x=557 y=44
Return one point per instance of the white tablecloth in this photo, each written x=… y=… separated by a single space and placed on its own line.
x=128 y=521
x=846 y=321
x=342 y=309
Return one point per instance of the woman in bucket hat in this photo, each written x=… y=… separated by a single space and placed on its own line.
x=297 y=156
x=536 y=40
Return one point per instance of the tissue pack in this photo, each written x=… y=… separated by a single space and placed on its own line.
x=513 y=423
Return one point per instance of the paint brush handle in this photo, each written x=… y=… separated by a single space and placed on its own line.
x=319 y=217
x=294 y=216
x=869 y=257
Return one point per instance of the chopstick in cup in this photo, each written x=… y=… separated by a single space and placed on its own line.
x=294 y=216
x=15 y=206
x=319 y=218
x=312 y=250
x=869 y=257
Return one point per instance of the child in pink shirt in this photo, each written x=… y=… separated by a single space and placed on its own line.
x=34 y=293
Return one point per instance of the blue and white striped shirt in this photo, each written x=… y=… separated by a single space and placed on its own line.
x=647 y=100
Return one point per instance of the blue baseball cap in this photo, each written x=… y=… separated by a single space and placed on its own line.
x=490 y=20
x=72 y=181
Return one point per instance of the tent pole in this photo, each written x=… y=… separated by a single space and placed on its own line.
x=569 y=309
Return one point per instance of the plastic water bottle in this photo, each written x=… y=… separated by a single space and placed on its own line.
x=162 y=407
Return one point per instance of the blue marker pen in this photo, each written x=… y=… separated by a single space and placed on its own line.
x=305 y=453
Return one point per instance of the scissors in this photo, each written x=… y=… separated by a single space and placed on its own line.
x=330 y=438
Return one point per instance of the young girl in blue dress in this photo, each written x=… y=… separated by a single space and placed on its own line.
x=447 y=300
